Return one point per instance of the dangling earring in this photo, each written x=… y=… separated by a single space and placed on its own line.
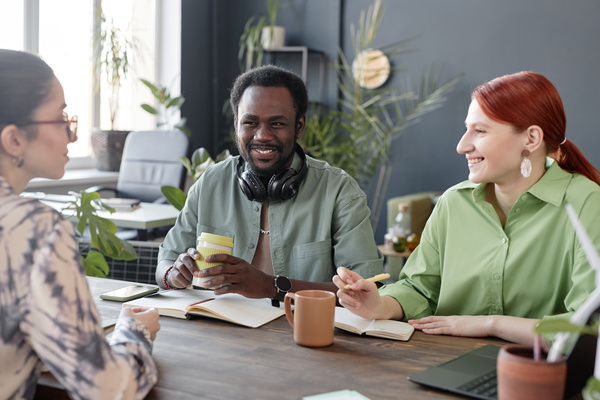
x=526 y=164
x=18 y=161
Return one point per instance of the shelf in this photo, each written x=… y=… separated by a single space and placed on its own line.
x=305 y=53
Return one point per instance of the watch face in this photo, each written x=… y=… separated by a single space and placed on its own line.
x=283 y=284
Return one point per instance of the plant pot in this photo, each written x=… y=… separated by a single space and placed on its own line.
x=520 y=377
x=108 y=148
x=272 y=37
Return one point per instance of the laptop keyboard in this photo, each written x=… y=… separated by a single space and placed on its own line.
x=484 y=387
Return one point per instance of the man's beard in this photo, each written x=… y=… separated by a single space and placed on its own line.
x=277 y=167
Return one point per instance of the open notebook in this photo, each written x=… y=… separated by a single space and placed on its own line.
x=383 y=328
x=228 y=307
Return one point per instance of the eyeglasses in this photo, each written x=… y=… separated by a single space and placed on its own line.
x=71 y=125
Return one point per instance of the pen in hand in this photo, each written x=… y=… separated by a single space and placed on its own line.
x=376 y=278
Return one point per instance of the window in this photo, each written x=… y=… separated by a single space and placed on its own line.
x=61 y=32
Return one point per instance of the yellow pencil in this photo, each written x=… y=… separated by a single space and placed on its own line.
x=376 y=278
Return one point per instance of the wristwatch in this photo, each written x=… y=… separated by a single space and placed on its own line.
x=283 y=285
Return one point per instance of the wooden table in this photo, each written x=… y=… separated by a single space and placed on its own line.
x=211 y=359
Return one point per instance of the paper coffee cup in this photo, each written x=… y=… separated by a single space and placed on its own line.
x=209 y=244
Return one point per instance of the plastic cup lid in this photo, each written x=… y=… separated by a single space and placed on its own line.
x=216 y=239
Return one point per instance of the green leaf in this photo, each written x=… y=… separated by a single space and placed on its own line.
x=176 y=102
x=561 y=325
x=150 y=109
x=95 y=264
x=591 y=391
x=175 y=196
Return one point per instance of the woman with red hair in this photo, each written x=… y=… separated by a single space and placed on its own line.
x=498 y=252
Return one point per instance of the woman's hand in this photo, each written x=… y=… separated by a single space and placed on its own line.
x=148 y=317
x=514 y=329
x=455 y=325
x=362 y=297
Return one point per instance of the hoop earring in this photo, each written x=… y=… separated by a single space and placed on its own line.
x=525 y=167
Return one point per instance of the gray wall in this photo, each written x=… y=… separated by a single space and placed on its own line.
x=478 y=39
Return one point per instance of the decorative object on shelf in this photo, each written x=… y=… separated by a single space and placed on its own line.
x=196 y=166
x=273 y=36
x=114 y=50
x=261 y=33
x=168 y=107
x=371 y=68
x=358 y=137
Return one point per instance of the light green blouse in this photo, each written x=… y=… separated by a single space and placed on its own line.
x=467 y=264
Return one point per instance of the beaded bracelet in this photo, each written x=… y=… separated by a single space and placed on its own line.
x=167 y=286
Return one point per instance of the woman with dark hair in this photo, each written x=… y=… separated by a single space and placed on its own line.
x=498 y=252
x=47 y=314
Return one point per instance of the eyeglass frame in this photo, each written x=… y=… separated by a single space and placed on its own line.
x=71 y=125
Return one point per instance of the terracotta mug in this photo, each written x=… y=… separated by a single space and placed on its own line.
x=312 y=317
x=520 y=377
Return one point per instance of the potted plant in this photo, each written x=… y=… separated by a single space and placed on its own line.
x=583 y=321
x=168 y=107
x=260 y=33
x=114 y=48
x=272 y=35
x=196 y=166
x=358 y=137
x=104 y=242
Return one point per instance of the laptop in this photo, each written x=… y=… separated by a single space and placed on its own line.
x=474 y=373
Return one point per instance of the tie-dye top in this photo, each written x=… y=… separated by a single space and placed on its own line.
x=48 y=316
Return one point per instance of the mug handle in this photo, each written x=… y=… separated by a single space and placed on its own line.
x=287 y=301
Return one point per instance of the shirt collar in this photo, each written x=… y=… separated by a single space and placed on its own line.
x=551 y=188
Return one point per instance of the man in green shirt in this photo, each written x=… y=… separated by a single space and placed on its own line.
x=499 y=252
x=293 y=219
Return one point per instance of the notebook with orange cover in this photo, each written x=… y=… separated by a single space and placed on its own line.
x=230 y=307
x=383 y=328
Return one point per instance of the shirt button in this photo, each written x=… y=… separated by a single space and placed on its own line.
x=256 y=208
x=504 y=240
x=496 y=276
x=251 y=246
x=518 y=210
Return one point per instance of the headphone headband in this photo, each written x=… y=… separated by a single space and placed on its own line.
x=282 y=186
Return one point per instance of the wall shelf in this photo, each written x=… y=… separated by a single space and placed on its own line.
x=280 y=56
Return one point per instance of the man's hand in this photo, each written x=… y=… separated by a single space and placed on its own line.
x=238 y=276
x=183 y=269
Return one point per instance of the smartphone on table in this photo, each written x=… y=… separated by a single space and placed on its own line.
x=129 y=292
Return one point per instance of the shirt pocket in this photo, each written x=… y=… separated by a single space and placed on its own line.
x=313 y=262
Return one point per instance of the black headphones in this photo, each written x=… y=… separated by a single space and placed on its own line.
x=282 y=186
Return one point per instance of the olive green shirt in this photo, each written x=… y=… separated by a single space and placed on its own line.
x=468 y=264
x=326 y=225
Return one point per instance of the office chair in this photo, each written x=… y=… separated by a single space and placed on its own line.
x=151 y=159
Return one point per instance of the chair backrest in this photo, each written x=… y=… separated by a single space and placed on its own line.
x=151 y=159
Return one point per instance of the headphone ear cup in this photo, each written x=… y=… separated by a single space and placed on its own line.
x=250 y=185
x=255 y=188
x=278 y=186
